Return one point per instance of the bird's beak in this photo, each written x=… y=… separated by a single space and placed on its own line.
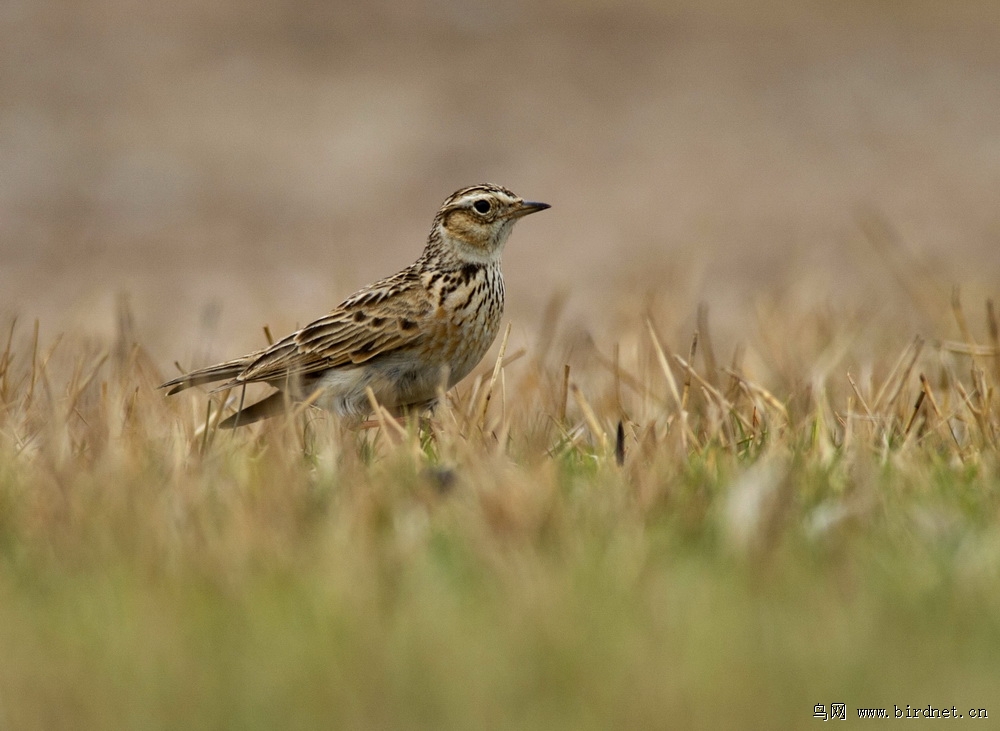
x=529 y=207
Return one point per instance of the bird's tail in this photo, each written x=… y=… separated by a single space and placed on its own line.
x=265 y=408
x=221 y=371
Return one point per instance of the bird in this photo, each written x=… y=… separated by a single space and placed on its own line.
x=404 y=336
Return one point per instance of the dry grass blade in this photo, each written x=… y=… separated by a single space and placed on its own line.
x=878 y=425
x=687 y=375
x=910 y=352
x=661 y=357
x=959 y=314
x=929 y=393
x=861 y=399
x=514 y=357
x=973 y=350
x=469 y=412
x=590 y=417
x=488 y=393
x=716 y=395
x=620 y=444
x=985 y=396
x=707 y=349
x=79 y=388
x=978 y=416
x=239 y=409
x=735 y=371
x=918 y=345
x=207 y=427
x=34 y=363
x=617 y=360
x=564 y=395
x=385 y=420
x=994 y=330
x=5 y=360
x=916 y=411
x=302 y=406
x=755 y=389
x=942 y=419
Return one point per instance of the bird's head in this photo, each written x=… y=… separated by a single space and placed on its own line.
x=474 y=223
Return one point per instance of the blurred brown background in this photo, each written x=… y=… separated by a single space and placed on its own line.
x=231 y=164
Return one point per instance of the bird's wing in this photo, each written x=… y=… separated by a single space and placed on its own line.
x=380 y=319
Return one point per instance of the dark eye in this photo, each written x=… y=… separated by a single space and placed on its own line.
x=482 y=206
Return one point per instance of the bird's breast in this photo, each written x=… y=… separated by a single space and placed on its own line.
x=467 y=318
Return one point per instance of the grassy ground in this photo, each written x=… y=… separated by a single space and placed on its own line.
x=740 y=553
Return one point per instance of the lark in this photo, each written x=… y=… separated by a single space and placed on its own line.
x=403 y=337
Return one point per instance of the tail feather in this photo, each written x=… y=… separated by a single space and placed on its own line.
x=263 y=409
x=228 y=371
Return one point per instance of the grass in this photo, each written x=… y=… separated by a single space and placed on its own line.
x=814 y=521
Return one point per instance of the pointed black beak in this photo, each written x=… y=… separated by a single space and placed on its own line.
x=529 y=207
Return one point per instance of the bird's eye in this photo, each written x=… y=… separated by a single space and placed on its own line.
x=482 y=206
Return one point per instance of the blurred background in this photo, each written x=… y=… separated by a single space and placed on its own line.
x=231 y=164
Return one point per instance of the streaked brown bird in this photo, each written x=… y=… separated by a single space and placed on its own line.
x=403 y=336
